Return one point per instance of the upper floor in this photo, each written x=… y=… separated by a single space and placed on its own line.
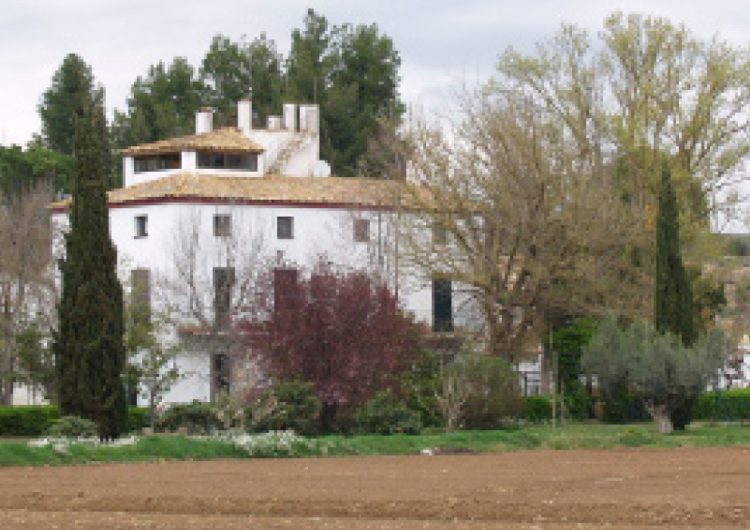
x=289 y=145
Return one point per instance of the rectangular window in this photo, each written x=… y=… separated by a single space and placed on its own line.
x=361 y=230
x=442 y=305
x=285 y=228
x=439 y=234
x=141 y=226
x=140 y=295
x=164 y=162
x=223 y=283
x=229 y=161
x=222 y=225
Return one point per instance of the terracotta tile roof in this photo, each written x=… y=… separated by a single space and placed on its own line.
x=225 y=139
x=333 y=191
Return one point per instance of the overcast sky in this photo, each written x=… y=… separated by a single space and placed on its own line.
x=441 y=42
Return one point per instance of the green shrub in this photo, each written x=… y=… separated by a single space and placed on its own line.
x=138 y=418
x=386 y=414
x=286 y=405
x=537 y=408
x=578 y=404
x=72 y=427
x=494 y=393
x=421 y=385
x=726 y=405
x=27 y=420
x=195 y=418
x=621 y=406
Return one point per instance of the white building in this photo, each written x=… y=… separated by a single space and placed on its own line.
x=221 y=207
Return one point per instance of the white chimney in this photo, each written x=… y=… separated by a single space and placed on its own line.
x=245 y=116
x=309 y=118
x=290 y=117
x=274 y=123
x=204 y=120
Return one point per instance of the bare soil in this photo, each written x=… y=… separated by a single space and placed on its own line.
x=555 y=490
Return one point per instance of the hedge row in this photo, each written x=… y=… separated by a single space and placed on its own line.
x=35 y=420
x=725 y=405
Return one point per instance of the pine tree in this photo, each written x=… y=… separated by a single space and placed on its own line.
x=89 y=349
x=673 y=301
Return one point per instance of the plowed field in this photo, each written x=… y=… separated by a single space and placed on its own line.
x=617 y=489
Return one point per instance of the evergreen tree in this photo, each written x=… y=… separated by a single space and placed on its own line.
x=673 y=299
x=72 y=85
x=89 y=349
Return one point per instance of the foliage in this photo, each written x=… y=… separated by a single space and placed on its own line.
x=195 y=418
x=494 y=393
x=21 y=169
x=517 y=209
x=286 y=405
x=72 y=88
x=569 y=341
x=35 y=365
x=138 y=418
x=162 y=104
x=621 y=405
x=537 y=408
x=229 y=70
x=673 y=301
x=656 y=368
x=385 y=413
x=723 y=405
x=342 y=332
x=72 y=427
x=421 y=385
x=26 y=421
x=88 y=345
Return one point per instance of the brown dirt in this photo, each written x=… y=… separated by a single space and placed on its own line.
x=553 y=490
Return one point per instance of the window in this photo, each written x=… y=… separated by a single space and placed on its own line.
x=230 y=161
x=361 y=230
x=141 y=226
x=221 y=374
x=164 y=162
x=285 y=228
x=140 y=295
x=222 y=225
x=223 y=283
x=439 y=234
x=442 y=305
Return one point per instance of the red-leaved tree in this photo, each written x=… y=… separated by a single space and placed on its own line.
x=343 y=332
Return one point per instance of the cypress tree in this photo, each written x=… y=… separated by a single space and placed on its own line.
x=673 y=300
x=89 y=348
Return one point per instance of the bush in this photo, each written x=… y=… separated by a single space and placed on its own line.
x=421 y=385
x=291 y=405
x=494 y=393
x=138 y=418
x=27 y=421
x=196 y=418
x=621 y=406
x=537 y=408
x=386 y=414
x=578 y=404
x=73 y=427
x=727 y=405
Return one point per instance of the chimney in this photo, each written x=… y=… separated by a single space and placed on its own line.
x=204 y=120
x=309 y=118
x=245 y=115
x=290 y=117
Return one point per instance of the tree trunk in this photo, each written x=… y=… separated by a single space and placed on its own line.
x=660 y=414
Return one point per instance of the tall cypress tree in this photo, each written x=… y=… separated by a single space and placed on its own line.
x=89 y=349
x=673 y=300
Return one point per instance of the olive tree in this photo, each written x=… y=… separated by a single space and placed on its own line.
x=656 y=367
